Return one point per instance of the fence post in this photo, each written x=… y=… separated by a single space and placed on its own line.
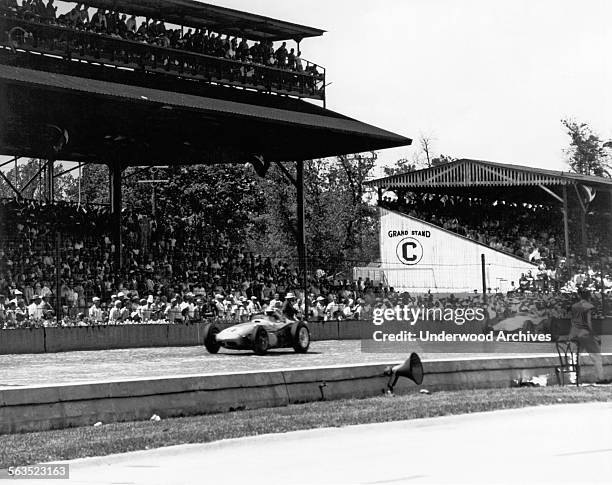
x=58 y=301
x=603 y=288
x=484 y=277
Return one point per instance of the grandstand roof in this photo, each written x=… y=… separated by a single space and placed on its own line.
x=139 y=125
x=480 y=173
x=478 y=178
x=204 y=15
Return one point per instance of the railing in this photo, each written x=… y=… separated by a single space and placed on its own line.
x=71 y=44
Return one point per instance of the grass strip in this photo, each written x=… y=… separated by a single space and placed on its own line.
x=67 y=444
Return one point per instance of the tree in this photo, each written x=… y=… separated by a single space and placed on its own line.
x=95 y=184
x=426 y=143
x=19 y=176
x=442 y=160
x=222 y=198
x=341 y=226
x=586 y=154
x=27 y=178
x=403 y=165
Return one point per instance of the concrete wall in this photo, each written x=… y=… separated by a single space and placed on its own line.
x=43 y=408
x=22 y=341
x=40 y=340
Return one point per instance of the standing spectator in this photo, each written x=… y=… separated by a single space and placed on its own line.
x=35 y=309
x=291 y=60
x=95 y=312
x=131 y=24
x=582 y=332
x=299 y=67
x=115 y=315
x=288 y=308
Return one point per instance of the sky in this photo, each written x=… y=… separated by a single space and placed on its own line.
x=489 y=80
x=484 y=79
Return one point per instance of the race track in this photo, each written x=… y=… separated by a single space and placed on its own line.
x=104 y=365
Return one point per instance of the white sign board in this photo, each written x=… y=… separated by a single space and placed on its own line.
x=417 y=256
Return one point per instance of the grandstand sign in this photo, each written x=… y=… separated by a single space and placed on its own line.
x=418 y=256
x=409 y=251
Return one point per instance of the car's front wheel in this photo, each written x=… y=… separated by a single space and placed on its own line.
x=301 y=338
x=210 y=338
x=261 y=341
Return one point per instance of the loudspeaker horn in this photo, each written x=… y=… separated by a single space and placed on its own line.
x=412 y=369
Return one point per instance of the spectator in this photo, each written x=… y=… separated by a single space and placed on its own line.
x=116 y=313
x=95 y=312
x=281 y=56
x=288 y=308
x=35 y=309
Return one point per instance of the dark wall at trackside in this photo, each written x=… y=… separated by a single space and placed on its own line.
x=49 y=340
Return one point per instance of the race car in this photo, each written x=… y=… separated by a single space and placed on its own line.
x=260 y=334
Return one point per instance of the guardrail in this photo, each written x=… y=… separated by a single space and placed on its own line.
x=70 y=44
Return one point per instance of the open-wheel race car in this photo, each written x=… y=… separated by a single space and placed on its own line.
x=260 y=334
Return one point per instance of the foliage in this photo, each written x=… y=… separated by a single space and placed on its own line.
x=222 y=198
x=401 y=166
x=586 y=154
x=230 y=202
x=95 y=184
x=23 y=176
x=341 y=226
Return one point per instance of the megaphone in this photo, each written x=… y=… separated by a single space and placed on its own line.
x=412 y=369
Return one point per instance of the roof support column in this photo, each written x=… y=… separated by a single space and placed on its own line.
x=115 y=173
x=583 y=212
x=583 y=231
x=610 y=219
x=301 y=232
x=566 y=225
x=401 y=198
x=49 y=185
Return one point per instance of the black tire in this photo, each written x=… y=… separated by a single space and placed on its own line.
x=300 y=336
x=210 y=338
x=261 y=341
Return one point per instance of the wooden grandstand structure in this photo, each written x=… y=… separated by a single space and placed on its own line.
x=94 y=105
x=515 y=183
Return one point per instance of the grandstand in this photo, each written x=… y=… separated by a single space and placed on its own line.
x=75 y=90
x=79 y=87
x=537 y=229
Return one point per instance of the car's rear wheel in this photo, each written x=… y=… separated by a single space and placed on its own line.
x=301 y=338
x=210 y=338
x=261 y=341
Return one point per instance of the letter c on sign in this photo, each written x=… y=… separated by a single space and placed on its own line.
x=409 y=251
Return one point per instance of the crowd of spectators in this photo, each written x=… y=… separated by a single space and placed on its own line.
x=155 y=32
x=165 y=266
x=176 y=271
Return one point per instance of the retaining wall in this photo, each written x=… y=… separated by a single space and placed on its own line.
x=53 y=407
x=41 y=340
